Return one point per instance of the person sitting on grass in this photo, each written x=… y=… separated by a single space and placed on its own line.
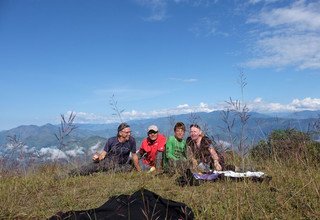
x=175 y=158
x=114 y=156
x=200 y=151
x=151 y=150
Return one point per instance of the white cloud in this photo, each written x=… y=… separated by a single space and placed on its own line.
x=254 y=1
x=50 y=153
x=75 y=152
x=183 y=106
x=223 y=144
x=308 y=103
x=300 y=16
x=257 y=105
x=84 y=117
x=20 y=147
x=257 y=100
x=197 y=3
x=289 y=36
x=10 y=146
x=158 y=9
x=262 y=1
x=279 y=51
x=95 y=147
x=133 y=114
x=206 y=27
x=190 y=80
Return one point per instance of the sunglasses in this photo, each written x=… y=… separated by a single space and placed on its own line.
x=152 y=132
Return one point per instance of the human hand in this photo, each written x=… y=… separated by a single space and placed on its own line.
x=95 y=157
x=194 y=163
x=152 y=169
x=217 y=165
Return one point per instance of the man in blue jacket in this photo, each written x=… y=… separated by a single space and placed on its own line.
x=115 y=154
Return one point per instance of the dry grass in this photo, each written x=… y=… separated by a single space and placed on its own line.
x=293 y=193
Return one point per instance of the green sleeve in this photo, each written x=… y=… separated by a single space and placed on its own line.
x=170 y=148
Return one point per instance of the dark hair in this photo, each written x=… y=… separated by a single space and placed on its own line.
x=195 y=125
x=123 y=126
x=180 y=125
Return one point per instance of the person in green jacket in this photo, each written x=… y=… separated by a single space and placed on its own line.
x=175 y=157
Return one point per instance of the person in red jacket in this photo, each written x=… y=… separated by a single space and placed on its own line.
x=151 y=149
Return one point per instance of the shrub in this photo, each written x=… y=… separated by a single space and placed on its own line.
x=261 y=151
x=312 y=153
x=287 y=145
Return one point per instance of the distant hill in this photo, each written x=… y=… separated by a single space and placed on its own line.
x=258 y=126
x=307 y=114
x=304 y=115
x=40 y=144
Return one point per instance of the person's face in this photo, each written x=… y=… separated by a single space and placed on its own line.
x=153 y=135
x=125 y=133
x=179 y=133
x=195 y=133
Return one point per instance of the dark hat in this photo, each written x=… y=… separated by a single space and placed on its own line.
x=123 y=126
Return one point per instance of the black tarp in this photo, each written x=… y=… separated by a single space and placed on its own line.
x=143 y=204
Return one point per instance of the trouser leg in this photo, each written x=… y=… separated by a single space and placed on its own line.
x=85 y=169
x=92 y=167
x=143 y=166
x=122 y=168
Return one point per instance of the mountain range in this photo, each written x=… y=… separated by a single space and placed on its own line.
x=40 y=136
x=89 y=137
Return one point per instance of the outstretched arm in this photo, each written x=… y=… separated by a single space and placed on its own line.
x=101 y=156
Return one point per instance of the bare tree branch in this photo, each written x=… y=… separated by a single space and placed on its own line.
x=114 y=105
x=65 y=130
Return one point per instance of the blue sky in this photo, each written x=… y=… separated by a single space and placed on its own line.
x=157 y=57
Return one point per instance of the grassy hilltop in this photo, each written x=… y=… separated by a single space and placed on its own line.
x=289 y=156
x=293 y=193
